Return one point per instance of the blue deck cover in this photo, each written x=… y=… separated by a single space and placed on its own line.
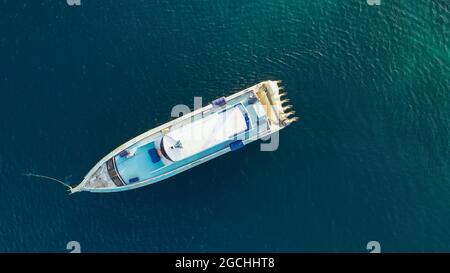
x=247 y=121
x=133 y=180
x=124 y=153
x=219 y=102
x=154 y=155
x=236 y=145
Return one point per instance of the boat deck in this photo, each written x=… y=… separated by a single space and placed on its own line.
x=140 y=167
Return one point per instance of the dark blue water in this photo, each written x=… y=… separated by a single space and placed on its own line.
x=369 y=159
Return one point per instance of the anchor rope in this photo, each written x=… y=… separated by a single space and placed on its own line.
x=48 y=178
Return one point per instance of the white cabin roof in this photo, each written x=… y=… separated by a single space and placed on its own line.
x=204 y=133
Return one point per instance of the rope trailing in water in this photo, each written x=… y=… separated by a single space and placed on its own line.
x=48 y=178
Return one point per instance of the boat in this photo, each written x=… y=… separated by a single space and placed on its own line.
x=226 y=124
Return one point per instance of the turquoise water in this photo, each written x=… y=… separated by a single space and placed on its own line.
x=368 y=160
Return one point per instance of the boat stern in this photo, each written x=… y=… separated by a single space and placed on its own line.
x=278 y=110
